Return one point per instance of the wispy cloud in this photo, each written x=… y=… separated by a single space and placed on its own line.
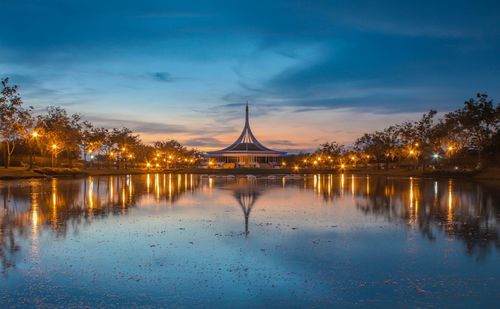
x=282 y=142
x=162 y=77
x=204 y=142
x=138 y=125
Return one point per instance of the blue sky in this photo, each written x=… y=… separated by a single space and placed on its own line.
x=312 y=71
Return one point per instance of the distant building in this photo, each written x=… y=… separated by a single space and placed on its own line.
x=247 y=151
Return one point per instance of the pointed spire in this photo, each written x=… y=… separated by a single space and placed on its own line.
x=247 y=140
x=246 y=116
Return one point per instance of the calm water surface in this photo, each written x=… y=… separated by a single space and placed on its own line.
x=185 y=240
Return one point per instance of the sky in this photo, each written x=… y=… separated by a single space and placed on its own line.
x=311 y=71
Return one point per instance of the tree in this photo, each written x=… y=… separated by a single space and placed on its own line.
x=122 y=144
x=330 y=152
x=94 y=140
x=62 y=132
x=86 y=138
x=15 y=120
x=418 y=137
x=476 y=123
x=376 y=145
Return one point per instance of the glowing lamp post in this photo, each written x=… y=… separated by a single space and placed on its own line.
x=34 y=136
x=353 y=159
x=435 y=157
x=449 y=152
x=54 y=149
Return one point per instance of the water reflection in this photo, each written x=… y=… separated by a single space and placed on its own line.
x=462 y=210
x=246 y=194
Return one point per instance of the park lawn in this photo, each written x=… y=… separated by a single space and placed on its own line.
x=18 y=173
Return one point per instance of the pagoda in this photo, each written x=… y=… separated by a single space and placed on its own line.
x=247 y=150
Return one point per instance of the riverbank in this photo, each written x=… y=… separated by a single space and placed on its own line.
x=490 y=174
x=18 y=173
x=23 y=173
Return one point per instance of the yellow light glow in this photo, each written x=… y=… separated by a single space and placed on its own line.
x=367 y=185
x=91 y=193
x=34 y=134
x=411 y=192
x=54 y=146
x=34 y=217
x=352 y=185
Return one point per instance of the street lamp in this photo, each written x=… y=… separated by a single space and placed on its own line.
x=435 y=156
x=54 y=149
x=34 y=135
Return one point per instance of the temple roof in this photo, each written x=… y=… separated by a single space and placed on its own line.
x=247 y=144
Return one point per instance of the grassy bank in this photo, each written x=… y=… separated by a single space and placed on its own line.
x=18 y=173
x=492 y=173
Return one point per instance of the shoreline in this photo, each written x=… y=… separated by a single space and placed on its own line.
x=14 y=173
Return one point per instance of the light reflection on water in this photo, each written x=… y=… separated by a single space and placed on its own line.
x=288 y=228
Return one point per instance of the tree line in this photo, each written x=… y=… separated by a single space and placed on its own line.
x=55 y=135
x=460 y=138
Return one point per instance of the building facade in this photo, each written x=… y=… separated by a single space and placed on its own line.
x=247 y=151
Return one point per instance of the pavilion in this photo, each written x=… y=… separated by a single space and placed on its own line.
x=247 y=150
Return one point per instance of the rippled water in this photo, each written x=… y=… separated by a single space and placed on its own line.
x=185 y=240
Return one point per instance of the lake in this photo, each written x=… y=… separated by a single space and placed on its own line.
x=292 y=241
